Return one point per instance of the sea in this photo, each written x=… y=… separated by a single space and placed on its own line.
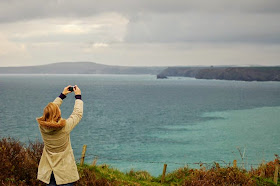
x=139 y=122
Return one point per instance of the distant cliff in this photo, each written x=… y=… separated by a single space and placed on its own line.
x=180 y=71
x=226 y=73
x=79 y=68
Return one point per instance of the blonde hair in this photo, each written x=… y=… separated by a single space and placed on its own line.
x=51 y=117
x=51 y=113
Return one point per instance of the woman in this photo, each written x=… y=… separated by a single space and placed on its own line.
x=57 y=165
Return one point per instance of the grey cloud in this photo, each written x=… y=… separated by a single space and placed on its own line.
x=158 y=32
x=193 y=27
x=163 y=21
x=16 y=10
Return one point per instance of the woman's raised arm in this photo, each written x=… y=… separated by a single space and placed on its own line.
x=58 y=100
x=77 y=113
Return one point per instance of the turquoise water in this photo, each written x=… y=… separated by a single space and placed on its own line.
x=140 y=122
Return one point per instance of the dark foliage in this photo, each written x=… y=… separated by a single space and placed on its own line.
x=219 y=176
x=18 y=164
x=88 y=177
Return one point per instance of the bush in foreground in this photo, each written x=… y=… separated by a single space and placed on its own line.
x=19 y=164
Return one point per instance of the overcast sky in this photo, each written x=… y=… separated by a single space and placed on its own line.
x=140 y=32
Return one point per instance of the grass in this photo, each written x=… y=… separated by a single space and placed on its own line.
x=19 y=163
x=106 y=175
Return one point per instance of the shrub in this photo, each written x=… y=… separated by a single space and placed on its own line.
x=88 y=177
x=140 y=175
x=18 y=164
x=265 y=172
x=219 y=176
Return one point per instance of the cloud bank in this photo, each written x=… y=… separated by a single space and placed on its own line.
x=140 y=33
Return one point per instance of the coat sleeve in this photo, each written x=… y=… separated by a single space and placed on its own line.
x=58 y=101
x=76 y=115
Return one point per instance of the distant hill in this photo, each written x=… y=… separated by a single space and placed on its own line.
x=79 y=68
x=221 y=72
x=180 y=71
x=225 y=73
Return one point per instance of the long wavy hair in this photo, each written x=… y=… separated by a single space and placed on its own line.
x=51 y=117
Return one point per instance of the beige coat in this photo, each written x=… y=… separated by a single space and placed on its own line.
x=57 y=153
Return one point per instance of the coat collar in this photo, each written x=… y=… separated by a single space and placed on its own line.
x=52 y=125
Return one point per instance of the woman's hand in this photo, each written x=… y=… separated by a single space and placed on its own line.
x=77 y=90
x=66 y=91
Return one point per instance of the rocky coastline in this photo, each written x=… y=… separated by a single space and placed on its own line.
x=225 y=73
